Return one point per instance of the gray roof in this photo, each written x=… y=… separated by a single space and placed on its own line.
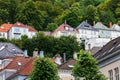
x=111 y=48
x=68 y=65
x=115 y=27
x=85 y=25
x=9 y=50
x=99 y=25
x=95 y=50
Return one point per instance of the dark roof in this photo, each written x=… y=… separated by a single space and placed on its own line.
x=85 y=25
x=95 y=50
x=110 y=49
x=68 y=65
x=9 y=50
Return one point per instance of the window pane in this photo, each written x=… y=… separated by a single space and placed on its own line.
x=116 y=74
x=110 y=75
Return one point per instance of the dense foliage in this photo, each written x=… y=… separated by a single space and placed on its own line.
x=44 y=69
x=49 y=44
x=87 y=66
x=43 y=14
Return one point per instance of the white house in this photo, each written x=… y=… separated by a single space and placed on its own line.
x=95 y=42
x=103 y=31
x=16 y=30
x=4 y=28
x=87 y=31
x=115 y=31
x=66 y=30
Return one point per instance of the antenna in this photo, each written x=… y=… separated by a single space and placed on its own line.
x=2 y=48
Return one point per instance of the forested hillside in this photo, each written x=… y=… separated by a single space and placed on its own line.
x=48 y=14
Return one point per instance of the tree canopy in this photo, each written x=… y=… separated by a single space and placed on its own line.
x=87 y=67
x=42 y=14
x=44 y=69
x=49 y=44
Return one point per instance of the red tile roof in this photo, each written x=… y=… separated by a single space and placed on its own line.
x=27 y=68
x=5 y=27
x=31 y=29
x=19 y=24
x=62 y=28
x=26 y=64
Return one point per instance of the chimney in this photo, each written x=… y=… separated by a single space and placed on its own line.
x=110 y=24
x=75 y=55
x=65 y=22
x=35 y=52
x=64 y=57
x=41 y=54
x=58 y=59
x=25 y=53
x=94 y=23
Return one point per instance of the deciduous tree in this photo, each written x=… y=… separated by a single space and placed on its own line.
x=44 y=69
x=87 y=66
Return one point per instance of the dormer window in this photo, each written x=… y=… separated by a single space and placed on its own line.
x=66 y=27
x=86 y=26
x=71 y=29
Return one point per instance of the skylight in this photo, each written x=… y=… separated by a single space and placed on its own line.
x=2 y=48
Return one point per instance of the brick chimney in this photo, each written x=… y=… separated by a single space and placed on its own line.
x=110 y=24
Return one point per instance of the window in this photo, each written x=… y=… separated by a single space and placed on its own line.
x=116 y=73
x=16 y=30
x=110 y=74
x=25 y=30
x=64 y=34
x=16 y=36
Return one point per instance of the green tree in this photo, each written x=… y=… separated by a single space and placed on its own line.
x=44 y=69
x=117 y=11
x=4 y=15
x=68 y=44
x=73 y=15
x=91 y=2
x=91 y=14
x=28 y=14
x=4 y=40
x=103 y=10
x=9 y=7
x=51 y=26
x=87 y=66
